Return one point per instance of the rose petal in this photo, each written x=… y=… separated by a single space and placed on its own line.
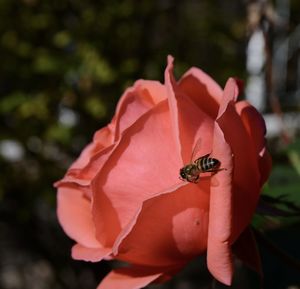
x=231 y=92
x=140 y=166
x=170 y=83
x=254 y=124
x=246 y=250
x=170 y=228
x=102 y=138
x=203 y=90
x=136 y=101
x=74 y=215
x=190 y=122
x=129 y=278
x=256 y=128
x=219 y=259
x=246 y=176
x=84 y=176
x=90 y=160
x=80 y=252
x=83 y=159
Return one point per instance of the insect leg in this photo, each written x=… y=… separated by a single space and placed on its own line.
x=216 y=170
x=196 y=180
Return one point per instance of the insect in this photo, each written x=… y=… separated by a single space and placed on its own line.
x=191 y=172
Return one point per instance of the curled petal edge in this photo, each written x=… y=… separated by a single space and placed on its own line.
x=126 y=231
x=219 y=257
x=80 y=252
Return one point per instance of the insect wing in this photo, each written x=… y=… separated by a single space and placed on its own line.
x=196 y=149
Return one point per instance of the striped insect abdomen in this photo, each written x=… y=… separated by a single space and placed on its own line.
x=206 y=164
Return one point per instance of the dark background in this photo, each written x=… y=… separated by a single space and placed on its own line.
x=64 y=65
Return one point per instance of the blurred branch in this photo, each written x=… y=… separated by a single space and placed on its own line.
x=272 y=22
x=271 y=73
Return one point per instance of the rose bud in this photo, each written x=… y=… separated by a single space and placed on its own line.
x=122 y=198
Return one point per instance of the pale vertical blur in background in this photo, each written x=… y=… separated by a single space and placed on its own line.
x=65 y=63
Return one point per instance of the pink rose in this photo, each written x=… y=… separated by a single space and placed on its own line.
x=122 y=198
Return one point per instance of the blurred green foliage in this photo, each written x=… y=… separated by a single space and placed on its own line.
x=76 y=56
x=283 y=187
x=64 y=65
x=293 y=153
